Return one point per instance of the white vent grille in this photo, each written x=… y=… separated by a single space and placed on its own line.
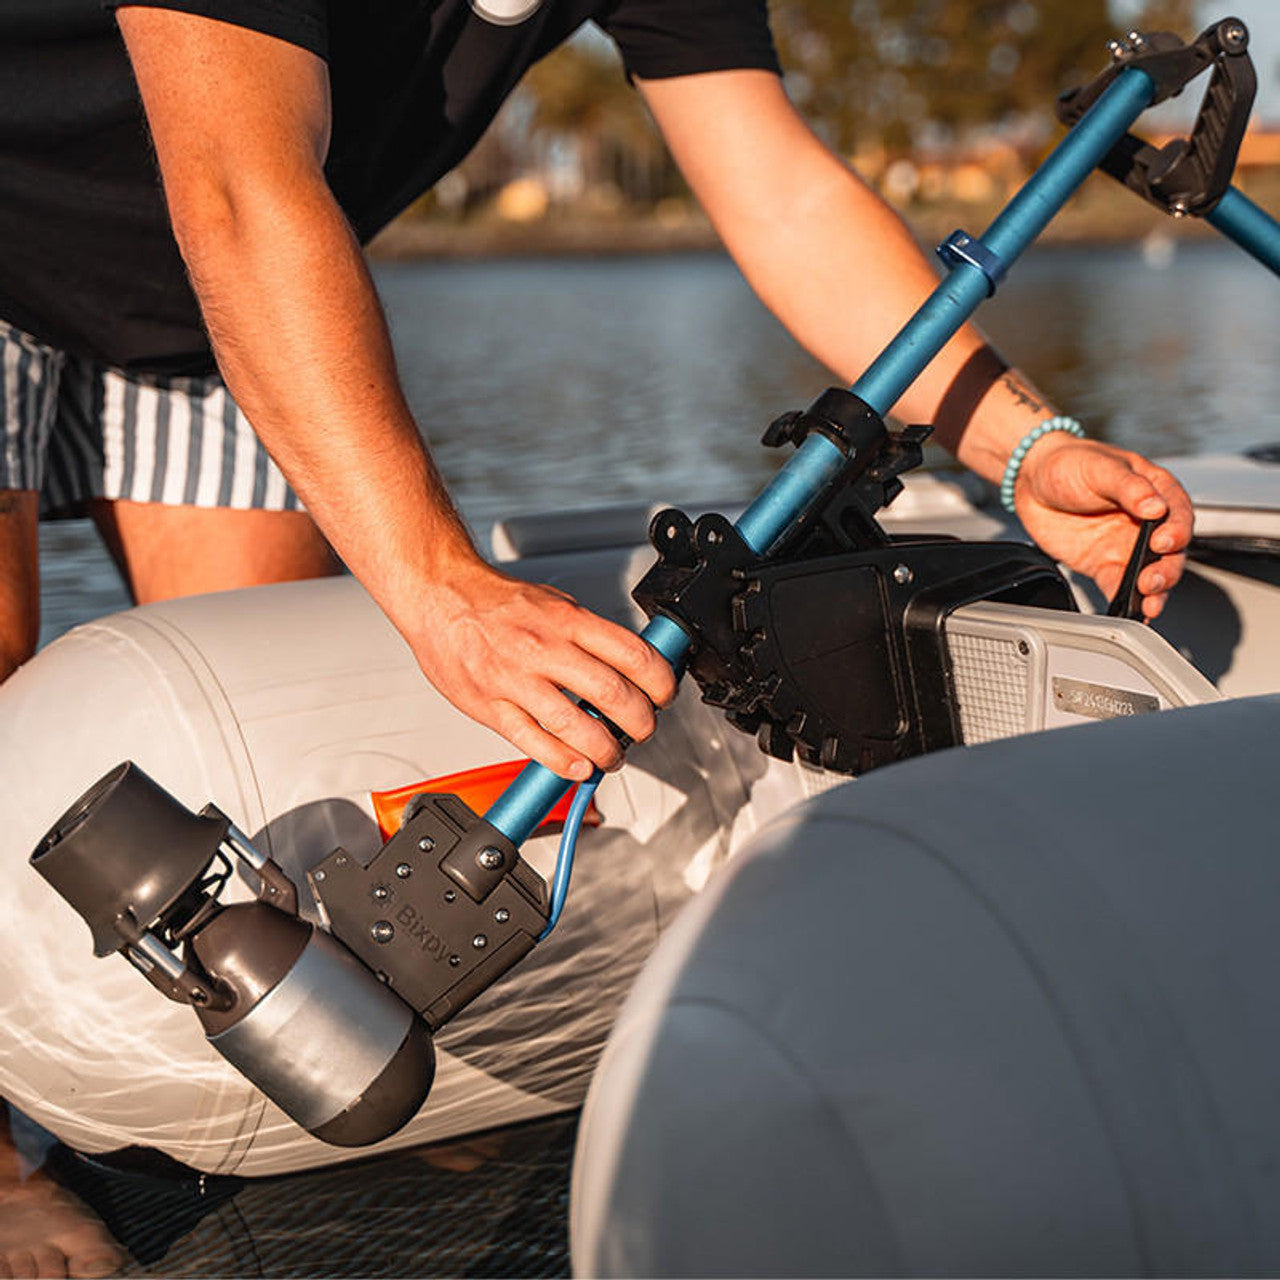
x=991 y=680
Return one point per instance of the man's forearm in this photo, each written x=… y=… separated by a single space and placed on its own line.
x=302 y=342
x=832 y=261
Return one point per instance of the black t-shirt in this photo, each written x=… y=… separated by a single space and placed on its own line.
x=88 y=261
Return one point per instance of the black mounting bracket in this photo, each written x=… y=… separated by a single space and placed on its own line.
x=443 y=909
x=831 y=647
x=1188 y=176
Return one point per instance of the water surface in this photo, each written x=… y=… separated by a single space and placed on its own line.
x=562 y=383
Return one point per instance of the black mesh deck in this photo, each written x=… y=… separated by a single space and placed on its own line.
x=492 y=1205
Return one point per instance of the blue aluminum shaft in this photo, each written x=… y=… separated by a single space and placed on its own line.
x=1030 y=211
x=519 y=810
x=1253 y=229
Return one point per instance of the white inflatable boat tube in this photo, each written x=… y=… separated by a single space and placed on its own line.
x=286 y=706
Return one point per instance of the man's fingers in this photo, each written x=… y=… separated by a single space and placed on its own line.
x=527 y=736
x=608 y=691
x=573 y=726
x=1175 y=532
x=626 y=652
x=1161 y=574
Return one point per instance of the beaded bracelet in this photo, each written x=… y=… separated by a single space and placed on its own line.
x=1014 y=465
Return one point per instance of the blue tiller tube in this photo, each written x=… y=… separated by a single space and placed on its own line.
x=1253 y=229
x=519 y=810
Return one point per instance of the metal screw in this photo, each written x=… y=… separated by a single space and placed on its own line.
x=426 y=844
x=1235 y=34
x=199 y=995
x=455 y=961
x=404 y=870
x=341 y=859
x=1116 y=50
x=502 y=915
x=451 y=895
x=1180 y=209
x=1137 y=41
x=490 y=859
x=381 y=893
x=383 y=931
x=1023 y=648
x=318 y=875
x=902 y=574
x=479 y=942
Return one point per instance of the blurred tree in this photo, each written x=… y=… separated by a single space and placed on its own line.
x=883 y=68
x=580 y=92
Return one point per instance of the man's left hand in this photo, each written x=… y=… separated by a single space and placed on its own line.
x=1082 y=501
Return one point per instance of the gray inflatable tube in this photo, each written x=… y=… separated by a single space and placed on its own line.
x=286 y=706
x=1002 y=1011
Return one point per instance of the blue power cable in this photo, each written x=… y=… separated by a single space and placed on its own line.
x=568 y=843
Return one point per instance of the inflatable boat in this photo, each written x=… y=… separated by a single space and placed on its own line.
x=292 y=706
x=1000 y=1006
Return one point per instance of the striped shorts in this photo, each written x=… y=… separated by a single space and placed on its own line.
x=74 y=430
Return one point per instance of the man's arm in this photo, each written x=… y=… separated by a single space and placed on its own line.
x=841 y=271
x=240 y=122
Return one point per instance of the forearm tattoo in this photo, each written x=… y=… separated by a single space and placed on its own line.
x=1023 y=392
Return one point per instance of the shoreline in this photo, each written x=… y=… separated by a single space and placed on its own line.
x=1101 y=214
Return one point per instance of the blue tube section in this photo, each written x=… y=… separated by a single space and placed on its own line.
x=1026 y=215
x=785 y=497
x=533 y=794
x=535 y=791
x=1253 y=229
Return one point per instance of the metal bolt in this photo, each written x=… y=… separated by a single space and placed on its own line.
x=199 y=995
x=1137 y=41
x=479 y=942
x=1116 y=50
x=451 y=895
x=1235 y=34
x=404 y=870
x=902 y=574
x=383 y=931
x=381 y=893
x=502 y=915
x=455 y=961
x=318 y=875
x=1180 y=209
x=490 y=859
x=426 y=844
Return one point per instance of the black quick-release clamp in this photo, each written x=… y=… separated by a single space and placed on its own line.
x=830 y=647
x=1188 y=176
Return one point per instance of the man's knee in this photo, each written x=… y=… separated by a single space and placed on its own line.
x=16 y=649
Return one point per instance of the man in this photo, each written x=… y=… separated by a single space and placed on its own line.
x=287 y=132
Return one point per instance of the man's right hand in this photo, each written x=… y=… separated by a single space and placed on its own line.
x=303 y=344
x=510 y=653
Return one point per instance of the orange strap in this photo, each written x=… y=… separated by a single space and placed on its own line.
x=478 y=787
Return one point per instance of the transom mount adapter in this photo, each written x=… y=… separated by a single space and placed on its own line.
x=1187 y=176
x=831 y=646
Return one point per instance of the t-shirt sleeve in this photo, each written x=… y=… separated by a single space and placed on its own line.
x=662 y=38
x=301 y=22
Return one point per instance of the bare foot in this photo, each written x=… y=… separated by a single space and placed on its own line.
x=46 y=1231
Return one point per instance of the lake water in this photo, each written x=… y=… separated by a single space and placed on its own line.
x=552 y=384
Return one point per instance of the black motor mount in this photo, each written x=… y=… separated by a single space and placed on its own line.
x=1187 y=176
x=333 y=1024
x=830 y=645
